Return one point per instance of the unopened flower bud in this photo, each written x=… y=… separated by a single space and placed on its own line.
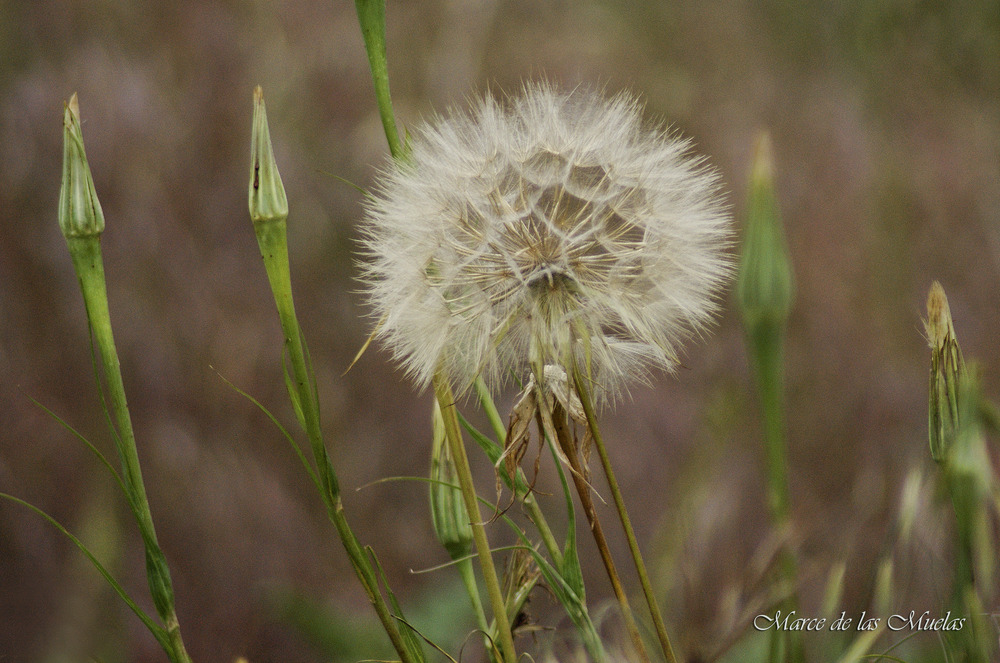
x=765 y=287
x=267 y=194
x=947 y=368
x=80 y=213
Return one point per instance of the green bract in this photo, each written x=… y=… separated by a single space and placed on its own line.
x=266 y=192
x=80 y=213
x=766 y=286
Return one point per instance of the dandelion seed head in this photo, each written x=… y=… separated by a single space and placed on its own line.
x=554 y=228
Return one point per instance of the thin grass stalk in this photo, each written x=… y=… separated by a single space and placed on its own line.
x=453 y=433
x=555 y=422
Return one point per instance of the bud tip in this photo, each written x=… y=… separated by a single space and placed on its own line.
x=80 y=213
x=939 y=321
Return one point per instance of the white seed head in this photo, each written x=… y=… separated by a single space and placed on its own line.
x=555 y=228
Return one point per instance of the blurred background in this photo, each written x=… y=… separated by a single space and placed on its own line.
x=885 y=119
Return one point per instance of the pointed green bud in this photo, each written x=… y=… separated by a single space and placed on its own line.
x=448 y=512
x=947 y=368
x=267 y=194
x=80 y=213
x=765 y=287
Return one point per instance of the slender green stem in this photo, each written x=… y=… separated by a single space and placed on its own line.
x=537 y=517
x=454 y=435
x=363 y=570
x=371 y=16
x=768 y=360
x=768 y=357
x=89 y=265
x=272 y=238
x=173 y=627
x=556 y=425
x=616 y=494
x=468 y=575
x=490 y=408
x=450 y=519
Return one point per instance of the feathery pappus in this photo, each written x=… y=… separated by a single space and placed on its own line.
x=551 y=228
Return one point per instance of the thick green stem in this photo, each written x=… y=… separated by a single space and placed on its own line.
x=272 y=238
x=89 y=265
x=616 y=494
x=453 y=433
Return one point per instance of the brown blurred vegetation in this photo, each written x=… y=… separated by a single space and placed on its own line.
x=885 y=116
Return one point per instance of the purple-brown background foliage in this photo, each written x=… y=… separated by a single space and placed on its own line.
x=885 y=119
